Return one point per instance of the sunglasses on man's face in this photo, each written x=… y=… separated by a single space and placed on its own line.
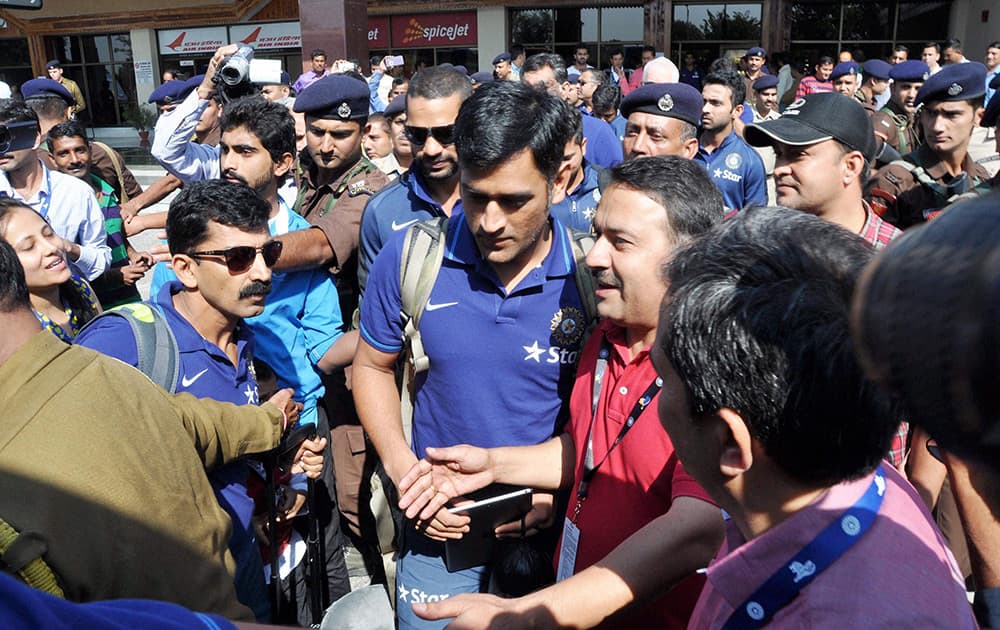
x=240 y=258
x=445 y=134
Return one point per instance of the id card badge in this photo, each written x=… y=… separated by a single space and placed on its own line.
x=567 y=550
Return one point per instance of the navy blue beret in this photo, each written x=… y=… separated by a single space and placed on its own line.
x=756 y=51
x=481 y=77
x=504 y=56
x=674 y=100
x=336 y=96
x=765 y=82
x=954 y=82
x=463 y=70
x=910 y=71
x=46 y=88
x=876 y=68
x=52 y=63
x=396 y=107
x=171 y=92
x=843 y=69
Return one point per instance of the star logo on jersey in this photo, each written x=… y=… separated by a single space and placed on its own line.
x=404 y=593
x=251 y=393
x=534 y=351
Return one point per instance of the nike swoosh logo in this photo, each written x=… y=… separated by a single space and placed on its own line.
x=402 y=226
x=434 y=307
x=188 y=382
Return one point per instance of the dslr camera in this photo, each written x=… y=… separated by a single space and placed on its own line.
x=18 y=136
x=241 y=75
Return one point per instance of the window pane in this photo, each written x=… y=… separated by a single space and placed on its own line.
x=66 y=49
x=812 y=21
x=868 y=20
x=621 y=24
x=96 y=48
x=742 y=21
x=588 y=25
x=121 y=47
x=532 y=26
x=14 y=52
x=691 y=21
x=103 y=93
x=922 y=21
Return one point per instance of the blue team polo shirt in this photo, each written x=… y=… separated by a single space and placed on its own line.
x=603 y=148
x=300 y=322
x=205 y=372
x=500 y=362
x=738 y=171
x=578 y=207
x=390 y=212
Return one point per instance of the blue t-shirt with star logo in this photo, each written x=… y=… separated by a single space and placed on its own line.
x=738 y=171
x=501 y=364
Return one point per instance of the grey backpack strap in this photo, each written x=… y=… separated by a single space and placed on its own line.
x=155 y=344
x=582 y=243
x=418 y=269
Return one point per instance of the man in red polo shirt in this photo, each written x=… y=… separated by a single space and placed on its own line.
x=619 y=464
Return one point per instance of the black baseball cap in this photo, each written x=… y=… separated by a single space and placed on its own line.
x=815 y=118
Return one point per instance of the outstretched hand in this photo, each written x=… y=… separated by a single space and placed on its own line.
x=443 y=475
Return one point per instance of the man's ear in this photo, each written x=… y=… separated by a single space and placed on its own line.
x=560 y=183
x=283 y=165
x=183 y=266
x=736 y=455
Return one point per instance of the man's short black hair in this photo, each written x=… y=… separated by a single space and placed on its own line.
x=546 y=60
x=954 y=43
x=936 y=46
x=13 y=111
x=581 y=45
x=50 y=107
x=757 y=320
x=13 y=286
x=269 y=121
x=516 y=50
x=649 y=49
x=439 y=82
x=731 y=80
x=503 y=118
x=317 y=52
x=825 y=60
x=901 y=48
x=606 y=96
x=215 y=200
x=693 y=203
x=68 y=129
x=993 y=44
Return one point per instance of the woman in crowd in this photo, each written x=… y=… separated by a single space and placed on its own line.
x=63 y=302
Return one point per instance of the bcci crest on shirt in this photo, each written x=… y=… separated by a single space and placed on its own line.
x=568 y=325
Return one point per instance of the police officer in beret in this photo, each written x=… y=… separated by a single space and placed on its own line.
x=167 y=96
x=662 y=119
x=874 y=82
x=895 y=123
x=914 y=189
x=753 y=69
x=53 y=104
x=845 y=78
x=501 y=67
x=335 y=181
x=765 y=102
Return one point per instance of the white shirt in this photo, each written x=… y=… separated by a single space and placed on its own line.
x=4 y=90
x=71 y=209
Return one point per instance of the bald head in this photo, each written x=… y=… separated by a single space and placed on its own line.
x=660 y=70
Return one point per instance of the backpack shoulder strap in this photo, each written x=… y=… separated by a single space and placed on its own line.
x=582 y=243
x=419 y=266
x=155 y=344
x=418 y=270
x=113 y=156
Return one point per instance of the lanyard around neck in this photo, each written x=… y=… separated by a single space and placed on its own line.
x=831 y=543
x=590 y=468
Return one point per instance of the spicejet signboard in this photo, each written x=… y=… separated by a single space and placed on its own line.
x=434 y=29
x=378 y=32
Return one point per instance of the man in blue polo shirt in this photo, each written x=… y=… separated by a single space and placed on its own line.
x=502 y=327
x=732 y=164
x=578 y=207
x=430 y=188
x=222 y=256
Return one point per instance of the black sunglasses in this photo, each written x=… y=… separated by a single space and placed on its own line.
x=240 y=258
x=445 y=134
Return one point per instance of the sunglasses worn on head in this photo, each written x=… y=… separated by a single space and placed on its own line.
x=445 y=134
x=239 y=259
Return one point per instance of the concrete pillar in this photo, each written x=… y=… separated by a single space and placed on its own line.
x=491 y=23
x=145 y=62
x=340 y=27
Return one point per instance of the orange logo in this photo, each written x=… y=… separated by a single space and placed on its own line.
x=174 y=45
x=414 y=31
x=252 y=37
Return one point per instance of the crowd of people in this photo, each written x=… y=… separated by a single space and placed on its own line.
x=389 y=304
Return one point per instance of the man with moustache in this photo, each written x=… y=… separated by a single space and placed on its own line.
x=222 y=255
x=895 y=123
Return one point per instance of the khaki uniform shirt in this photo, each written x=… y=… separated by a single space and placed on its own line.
x=897 y=128
x=74 y=89
x=908 y=202
x=110 y=471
